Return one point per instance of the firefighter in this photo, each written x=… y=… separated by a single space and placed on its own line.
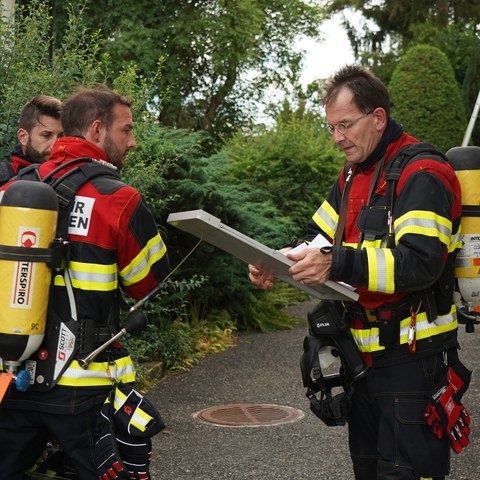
x=113 y=244
x=39 y=128
x=394 y=238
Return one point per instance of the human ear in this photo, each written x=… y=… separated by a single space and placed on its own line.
x=380 y=118
x=95 y=132
x=22 y=136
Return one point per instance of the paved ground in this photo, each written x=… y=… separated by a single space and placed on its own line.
x=264 y=368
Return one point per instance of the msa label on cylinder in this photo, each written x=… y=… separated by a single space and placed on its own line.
x=24 y=271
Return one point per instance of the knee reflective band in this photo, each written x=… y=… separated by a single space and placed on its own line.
x=28 y=218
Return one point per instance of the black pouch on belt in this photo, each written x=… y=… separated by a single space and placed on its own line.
x=389 y=328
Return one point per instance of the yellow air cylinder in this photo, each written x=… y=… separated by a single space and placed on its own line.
x=28 y=219
x=466 y=162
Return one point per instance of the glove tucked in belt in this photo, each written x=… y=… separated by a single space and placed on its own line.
x=127 y=422
x=445 y=413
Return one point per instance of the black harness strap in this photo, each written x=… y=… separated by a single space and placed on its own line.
x=6 y=171
x=342 y=217
x=403 y=157
x=22 y=254
x=66 y=187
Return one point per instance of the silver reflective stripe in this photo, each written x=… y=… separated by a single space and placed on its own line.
x=368 y=339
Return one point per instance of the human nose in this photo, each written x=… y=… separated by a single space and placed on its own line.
x=337 y=135
x=132 y=142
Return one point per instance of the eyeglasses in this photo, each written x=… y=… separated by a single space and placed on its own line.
x=343 y=127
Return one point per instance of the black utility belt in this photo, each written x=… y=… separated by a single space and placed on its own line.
x=375 y=316
x=387 y=319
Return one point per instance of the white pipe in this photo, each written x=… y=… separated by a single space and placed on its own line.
x=471 y=124
x=8 y=6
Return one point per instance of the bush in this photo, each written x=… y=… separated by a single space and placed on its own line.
x=296 y=162
x=426 y=98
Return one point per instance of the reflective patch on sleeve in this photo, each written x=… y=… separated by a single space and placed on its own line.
x=381 y=270
x=140 y=266
x=425 y=223
x=327 y=219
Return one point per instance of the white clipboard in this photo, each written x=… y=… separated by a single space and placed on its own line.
x=213 y=231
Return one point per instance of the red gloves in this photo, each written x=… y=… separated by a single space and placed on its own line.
x=445 y=412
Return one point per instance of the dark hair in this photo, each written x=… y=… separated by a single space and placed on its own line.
x=81 y=109
x=40 y=105
x=369 y=92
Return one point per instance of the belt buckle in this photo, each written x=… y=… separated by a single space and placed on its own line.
x=371 y=317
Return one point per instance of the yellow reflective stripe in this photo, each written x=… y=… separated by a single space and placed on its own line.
x=59 y=281
x=372 y=243
x=93 y=276
x=98 y=373
x=381 y=268
x=456 y=242
x=326 y=218
x=140 y=418
x=424 y=223
x=368 y=339
x=140 y=266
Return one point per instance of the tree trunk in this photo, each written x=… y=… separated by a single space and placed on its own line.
x=442 y=7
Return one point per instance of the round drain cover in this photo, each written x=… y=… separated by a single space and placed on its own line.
x=249 y=414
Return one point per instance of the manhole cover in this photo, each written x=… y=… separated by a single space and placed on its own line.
x=249 y=415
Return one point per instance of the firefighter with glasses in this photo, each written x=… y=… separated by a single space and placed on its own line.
x=393 y=218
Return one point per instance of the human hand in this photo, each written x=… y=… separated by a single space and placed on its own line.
x=312 y=266
x=260 y=278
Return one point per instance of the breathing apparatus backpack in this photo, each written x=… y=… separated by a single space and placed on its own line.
x=34 y=219
x=466 y=163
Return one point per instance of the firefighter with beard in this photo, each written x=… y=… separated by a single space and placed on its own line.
x=39 y=128
x=114 y=244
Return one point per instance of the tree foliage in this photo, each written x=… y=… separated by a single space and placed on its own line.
x=296 y=162
x=208 y=50
x=392 y=23
x=426 y=97
x=28 y=66
x=192 y=181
